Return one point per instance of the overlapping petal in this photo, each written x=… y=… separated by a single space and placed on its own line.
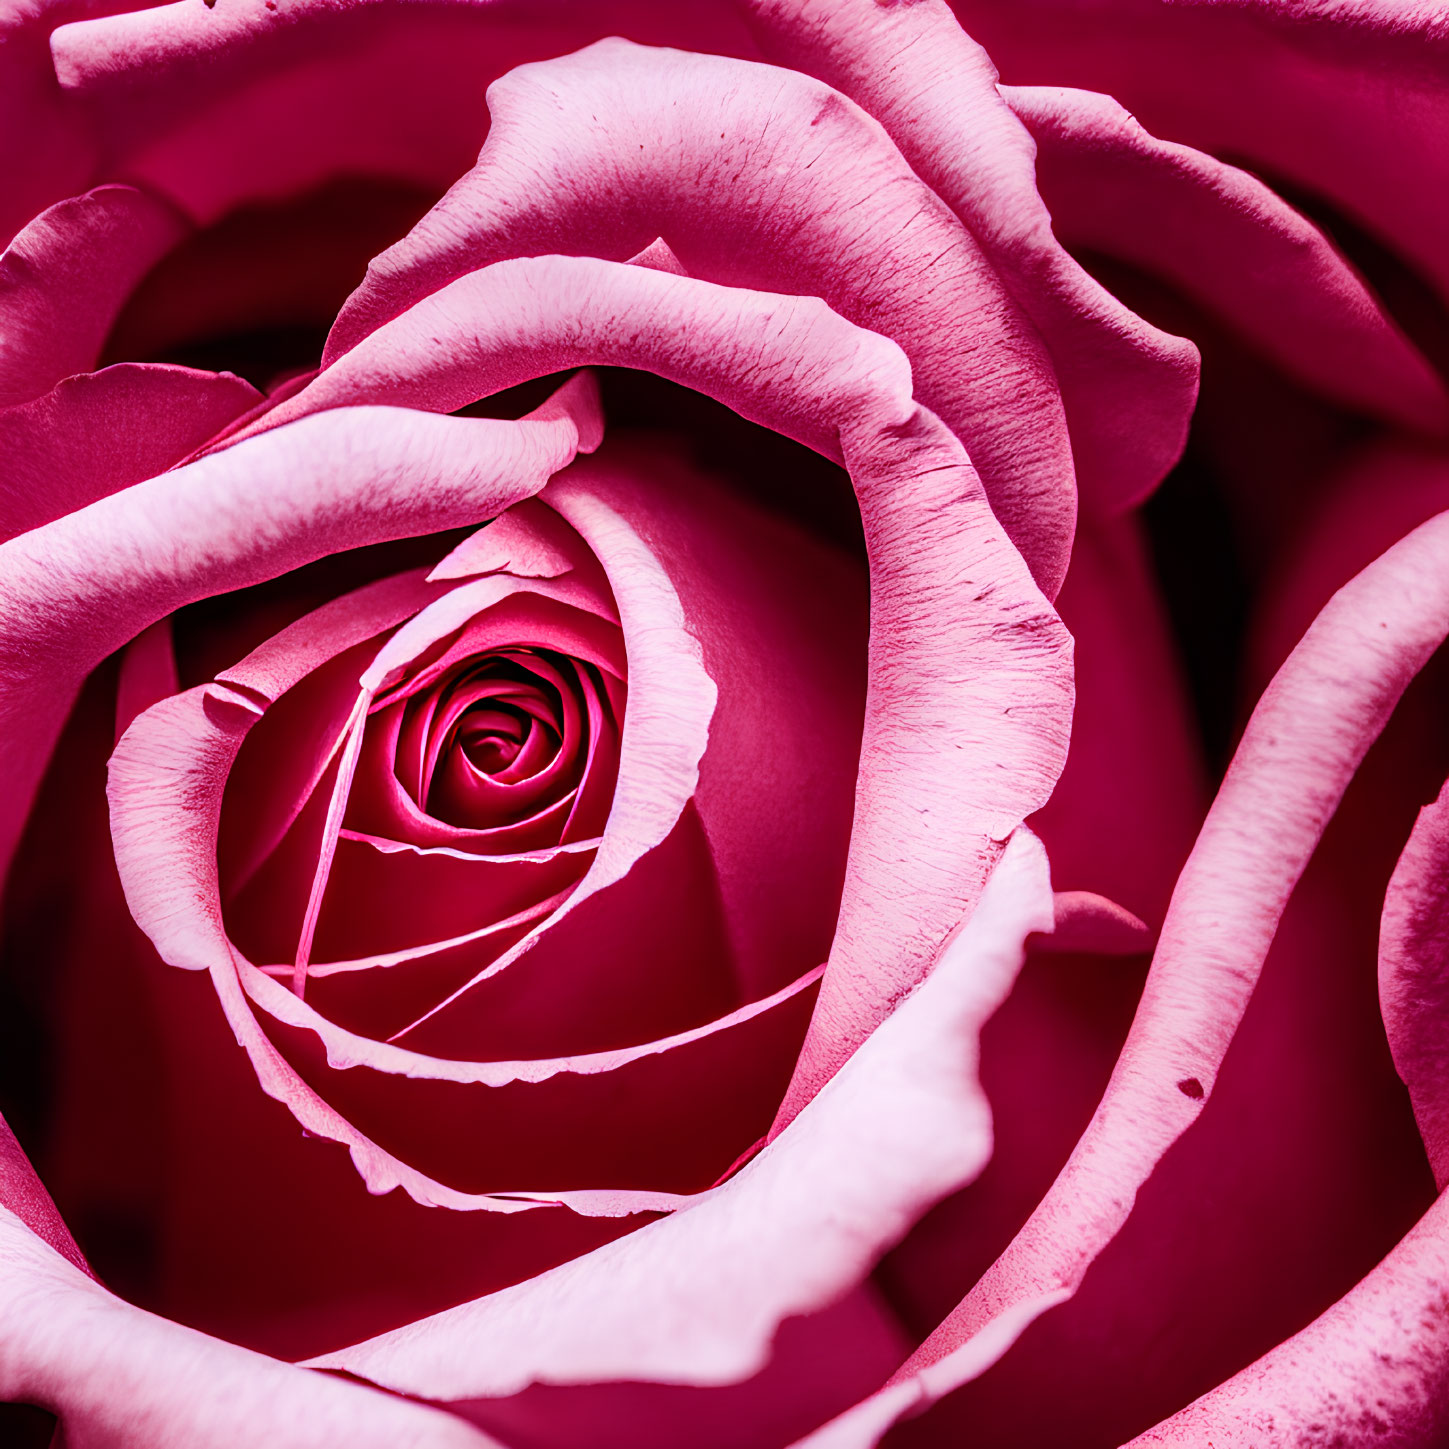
x=946 y=585
x=1232 y=244
x=761 y=178
x=1128 y=388
x=117 y=1375
x=1345 y=100
x=794 y=1229
x=1305 y=741
x=84 y=584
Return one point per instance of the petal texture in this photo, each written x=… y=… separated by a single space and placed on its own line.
x=789 y=1233
x=1304 y=743
x=1128 y=388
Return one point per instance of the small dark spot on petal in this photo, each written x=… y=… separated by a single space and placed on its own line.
x=1190 y=1087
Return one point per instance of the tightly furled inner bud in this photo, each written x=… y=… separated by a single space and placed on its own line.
x=498 y=737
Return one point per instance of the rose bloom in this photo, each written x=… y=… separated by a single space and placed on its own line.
x=676 y=681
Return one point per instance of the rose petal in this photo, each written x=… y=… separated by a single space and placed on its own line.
x=1373 y=1370
x=168 y=774
x=1128 y=388
x=125 y=1379
x=65 y=277
x=946 y=585
x=218 y=109
x=76 y=589
x=23 y=1194
x=1414 y=977
x=697 y=1297
x=1231 y=243
x=1093 y=924
x=722 y=158
x=1346 y=97
x=99 y=432
x=1306 y=739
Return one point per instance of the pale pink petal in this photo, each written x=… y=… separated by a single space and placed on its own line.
x=98 y=432
x=1372 y=1371
x=1303 y=745
x=762 y=178
x=1128 y=388
x=946 y=585
x=1414 y=977
x=697 y=1297
x=119 y=1378
x=1231 y=243
x=76 y=589
x=64 y=279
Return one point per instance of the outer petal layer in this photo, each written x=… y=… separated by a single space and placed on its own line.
x=697 y=1297
x=1306 y=739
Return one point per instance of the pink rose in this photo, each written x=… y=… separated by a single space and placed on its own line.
x=536 y=720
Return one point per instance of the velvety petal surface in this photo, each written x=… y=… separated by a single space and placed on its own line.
x=217 y=109
x=65 y=277
x=101 y=431
x=762 y=178
x=1230 y=242
x=1303 y=745
x=1370 y=1371
x=795 y=1228
x=1345 y=100
x=123 y=1379
x=1414 y=978
x=82 y=585
x=1128 y=388
x=946 y=583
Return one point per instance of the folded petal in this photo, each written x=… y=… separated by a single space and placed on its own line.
x=762 y=178
x=1231 y=243
x=1414 y=976
x=1128 y=388
x=82 y=585
x=1346 y=100
x=697 y=1297
x=124 y=1379
x=65 y=277
x=1303 y=745
x=98 y=432
x=220 y=108
x=946 y=585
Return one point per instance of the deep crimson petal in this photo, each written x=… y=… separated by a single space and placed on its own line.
x=1230 y=242
x=118 y=1376
x=98 y=432
x=1346 y=98
x=1372 y=1371
x=251 y=102
x=65 y=277
x=798 y=1226
x=759 y=178
x=1128 y=388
